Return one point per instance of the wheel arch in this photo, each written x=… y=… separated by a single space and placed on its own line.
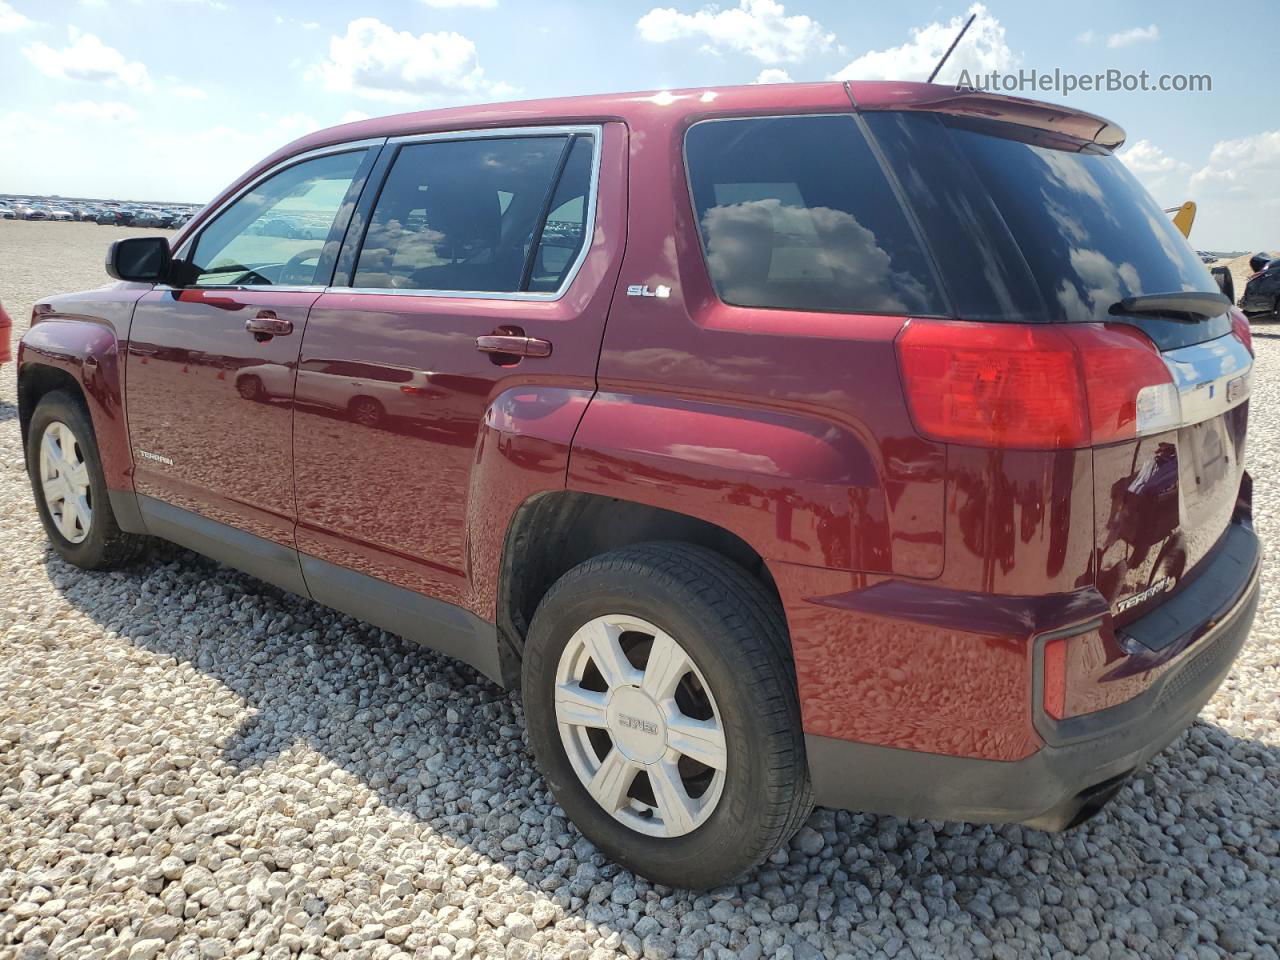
x=552 y=532
x=35 y=381
x=80 y=353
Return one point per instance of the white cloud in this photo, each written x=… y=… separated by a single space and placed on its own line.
x=773 y=75
x=188 y=92
x=1145 y=157
x=301 y=24
x=11 y=21
x=96 y=111
x=354 y=116
x=440 y=4
x=1087 y=37
x=982 y=50
x=379 y=62
x=189 y=164
x=757 y=28
x=1165 y=177
x=1238 y=207
x=88 y=59
x=1127 y=38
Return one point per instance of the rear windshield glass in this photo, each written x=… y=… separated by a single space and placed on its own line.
x=1085 y=229
x=795 y=212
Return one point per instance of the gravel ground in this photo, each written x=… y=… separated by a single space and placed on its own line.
x=195 y=764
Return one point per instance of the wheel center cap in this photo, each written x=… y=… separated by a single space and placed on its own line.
x=636 y=725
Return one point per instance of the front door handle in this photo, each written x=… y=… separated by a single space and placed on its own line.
x=512 y=342
x=267 y=325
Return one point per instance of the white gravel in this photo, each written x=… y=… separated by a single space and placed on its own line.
x=194 y=764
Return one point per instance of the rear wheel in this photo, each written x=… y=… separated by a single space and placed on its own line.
x=366 y=411
x=662 y=708
x=70 y=488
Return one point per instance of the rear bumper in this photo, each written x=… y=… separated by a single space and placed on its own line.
x=1061 y=783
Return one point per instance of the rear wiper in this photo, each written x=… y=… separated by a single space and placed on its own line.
x=1193 y=304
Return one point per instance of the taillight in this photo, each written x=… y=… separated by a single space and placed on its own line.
x=1034 y=386
x=1240 y=327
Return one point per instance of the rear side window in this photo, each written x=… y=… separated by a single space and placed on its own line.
x=465 y=215
x=795 y=213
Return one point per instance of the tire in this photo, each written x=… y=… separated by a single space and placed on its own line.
x=733 y=633
x=366 y=411
x=103 y=545
x=250 y=388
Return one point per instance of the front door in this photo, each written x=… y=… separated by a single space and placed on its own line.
x=212 y=359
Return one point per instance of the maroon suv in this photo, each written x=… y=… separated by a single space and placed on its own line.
x=868 y=444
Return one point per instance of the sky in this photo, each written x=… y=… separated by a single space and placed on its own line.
x=173 y=99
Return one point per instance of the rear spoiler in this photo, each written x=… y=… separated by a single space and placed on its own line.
x=941 y=98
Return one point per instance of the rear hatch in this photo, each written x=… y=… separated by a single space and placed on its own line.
x=1050 y=233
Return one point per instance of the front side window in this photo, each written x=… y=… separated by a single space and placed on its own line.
x=275 y=234
x=795 y=213
x=466 y=215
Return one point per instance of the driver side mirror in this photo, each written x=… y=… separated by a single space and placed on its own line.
x=141 y=259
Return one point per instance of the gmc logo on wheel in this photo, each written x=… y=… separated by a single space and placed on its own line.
x=635 y=723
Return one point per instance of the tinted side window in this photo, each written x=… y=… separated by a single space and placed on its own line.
x=563 y=232
x=459 y=214
x=276 y=233
x=795 y=212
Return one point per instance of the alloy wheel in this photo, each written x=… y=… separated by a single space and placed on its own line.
x=64 y=482
x=640 y=726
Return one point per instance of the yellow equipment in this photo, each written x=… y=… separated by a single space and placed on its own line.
x=1184 y=216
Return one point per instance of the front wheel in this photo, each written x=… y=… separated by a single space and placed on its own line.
x=662 y=708
x=70 y=488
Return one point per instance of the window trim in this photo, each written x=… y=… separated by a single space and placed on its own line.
x=854 y=116
x=188 y=244
x=594 y=130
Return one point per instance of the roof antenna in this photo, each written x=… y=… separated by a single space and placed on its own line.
x=967 y=24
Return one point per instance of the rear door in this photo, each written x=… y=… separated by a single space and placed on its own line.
x=473 y=236
x=212 y=358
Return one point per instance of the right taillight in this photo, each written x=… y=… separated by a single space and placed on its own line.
x=1034 y=386
x=1240 y=327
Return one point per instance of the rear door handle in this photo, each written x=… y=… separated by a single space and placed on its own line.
x=514 y=344
x=267 y=325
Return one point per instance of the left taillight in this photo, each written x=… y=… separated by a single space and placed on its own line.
x=1034 y=386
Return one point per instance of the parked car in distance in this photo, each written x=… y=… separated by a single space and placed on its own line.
x=858 y=497
x=35 y=213
x=7 y=214
x=1261 y=297
x=62 y=216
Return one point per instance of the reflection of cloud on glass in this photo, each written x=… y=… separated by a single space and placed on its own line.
x=1070 y=172
x=766 y=253
x=393 y=250
x=1101 y=283
x=1070 y=225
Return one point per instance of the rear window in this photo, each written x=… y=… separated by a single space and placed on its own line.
x=1053 y=233
x=795 y=212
